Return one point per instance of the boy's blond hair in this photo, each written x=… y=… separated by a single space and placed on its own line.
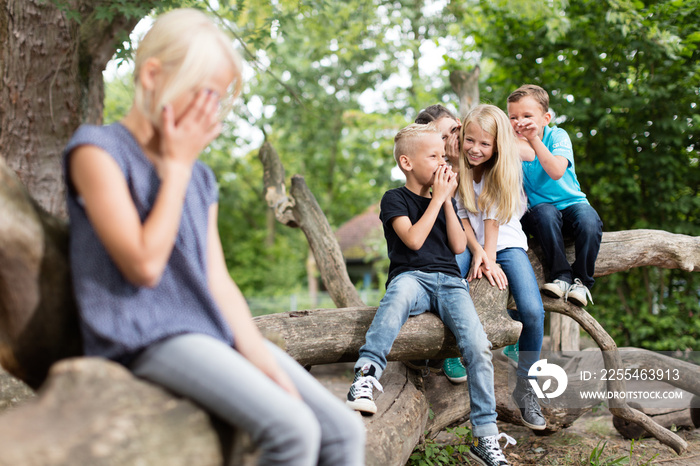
x=534 y=91
x=501 y=197
x=405 y=139
x=190 y=48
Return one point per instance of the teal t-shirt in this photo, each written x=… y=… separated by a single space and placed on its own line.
x=540 y=188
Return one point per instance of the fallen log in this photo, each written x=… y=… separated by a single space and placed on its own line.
x=325 y=336
x=669 y=418
x=92 y=411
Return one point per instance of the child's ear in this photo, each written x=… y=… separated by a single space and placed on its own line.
x=150 y=73
x=405 y=162
x=547 y=117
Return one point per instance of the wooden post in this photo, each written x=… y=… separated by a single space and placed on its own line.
x=564 y=332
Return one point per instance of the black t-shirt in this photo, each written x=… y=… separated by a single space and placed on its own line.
x=435 y=255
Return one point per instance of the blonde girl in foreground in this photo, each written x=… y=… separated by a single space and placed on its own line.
x=153 y=290
x=491 y=200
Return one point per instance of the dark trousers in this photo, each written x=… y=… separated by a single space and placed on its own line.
x=549 y=226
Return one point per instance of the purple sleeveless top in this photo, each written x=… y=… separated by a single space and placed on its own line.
x=118 y=319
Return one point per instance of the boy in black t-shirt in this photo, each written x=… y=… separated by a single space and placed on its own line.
x=423 y=234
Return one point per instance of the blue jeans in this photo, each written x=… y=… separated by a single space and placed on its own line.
x=549 y=226
x=318 y=430
x=522 y=284
x=413 y=293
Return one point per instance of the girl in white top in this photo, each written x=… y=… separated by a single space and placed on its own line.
x=491 y=202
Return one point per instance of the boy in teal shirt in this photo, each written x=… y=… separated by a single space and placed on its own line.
x=556 y=204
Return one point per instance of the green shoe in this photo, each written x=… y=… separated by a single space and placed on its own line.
x=512 y=352
x=454 y=370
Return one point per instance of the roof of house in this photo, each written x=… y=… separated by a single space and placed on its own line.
x=357 y=235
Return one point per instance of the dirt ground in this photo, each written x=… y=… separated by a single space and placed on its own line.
x=572 y=446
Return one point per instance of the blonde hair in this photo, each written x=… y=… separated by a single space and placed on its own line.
x=405 y=139
x=531 y=90
x=190 y=48
x=503 y=174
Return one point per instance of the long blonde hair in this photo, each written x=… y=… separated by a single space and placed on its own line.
x=503 y=174
x=190 y=48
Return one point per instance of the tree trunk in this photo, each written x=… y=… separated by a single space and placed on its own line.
x=466 y=86
x=51 y=82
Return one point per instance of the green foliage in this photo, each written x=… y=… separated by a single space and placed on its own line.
x=596 y=457
x=262 y=262
x=623 y=78
x=430 y=453
x=119 y=93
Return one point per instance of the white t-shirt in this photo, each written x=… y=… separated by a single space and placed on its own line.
x=510 y=235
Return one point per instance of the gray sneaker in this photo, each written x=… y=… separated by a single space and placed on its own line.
x=556 y=289
x=530 y=412
x=577 y=293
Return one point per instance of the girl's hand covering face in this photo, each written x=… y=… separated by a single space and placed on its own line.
x=185 y=136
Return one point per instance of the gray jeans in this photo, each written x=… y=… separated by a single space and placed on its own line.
x=318 y=430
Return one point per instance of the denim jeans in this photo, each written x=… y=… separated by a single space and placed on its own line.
x=413 y=293
x=318 y=430
x=522 y=284
x=549 y=226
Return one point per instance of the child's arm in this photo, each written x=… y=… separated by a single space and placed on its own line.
x=456 y=234
x=554 y=165
x=414 y=235
x=248 y=339
x=142 y=250
x=496 y=276
x=527 y=153
x=481 y=264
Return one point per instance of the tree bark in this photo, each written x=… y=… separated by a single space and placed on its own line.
x=92 y=411
x=466 y=86
x=51 y=82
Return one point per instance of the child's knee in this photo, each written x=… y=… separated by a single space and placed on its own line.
x=290 y=439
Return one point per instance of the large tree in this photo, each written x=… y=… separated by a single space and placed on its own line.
x=52 y=55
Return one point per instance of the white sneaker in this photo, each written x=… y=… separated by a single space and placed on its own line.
x=577 y=293
x=556 y=289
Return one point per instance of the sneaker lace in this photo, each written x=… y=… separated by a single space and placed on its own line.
x=530 y=399
x=579 y=286
x=562 y=284
x=494 y=447
x=453 y=363
x=364 y=384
